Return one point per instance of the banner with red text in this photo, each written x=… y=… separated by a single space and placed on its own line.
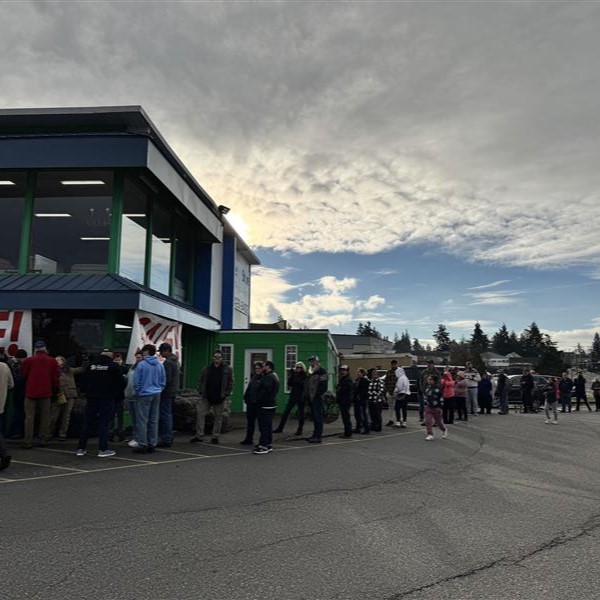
x=15 y=331
x=151 y=329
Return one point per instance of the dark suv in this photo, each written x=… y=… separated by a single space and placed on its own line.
x=514 y=390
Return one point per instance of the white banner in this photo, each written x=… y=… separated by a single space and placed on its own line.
x=151 y=329
x=15 y=331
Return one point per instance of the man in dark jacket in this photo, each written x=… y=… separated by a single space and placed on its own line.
x=343 y=396
x=103 y=382
x=214 y=387
x=42 y=380
x=167 y=396
x=250 y=396
x=316 y=386
x=565 y=387
x=266 y=402
x=580 y=394
x=527 y=385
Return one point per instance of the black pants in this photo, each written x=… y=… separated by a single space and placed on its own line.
x=527 y=400
x=358 y=416
x=461 y=408
x=400 y=406
x=265 y=426
x=346 y=420
x=581 y=397
x=485 y=403
x=286 y=413
x=597 y=401
x=375 y=414
x=448 y=410
x=251 y=416
x=18 y=420
x=102 y=410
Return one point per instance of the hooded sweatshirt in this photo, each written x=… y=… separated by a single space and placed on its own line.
x=402 y=383
x=149 y=378
x=447 y=385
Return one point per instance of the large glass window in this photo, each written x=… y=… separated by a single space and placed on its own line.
x=71 y=222
x=162 y=231
x=183 y=260
x=133 y=232
x=12 y=203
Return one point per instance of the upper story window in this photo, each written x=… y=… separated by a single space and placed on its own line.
x=71 y=222
x=162 y=233
x=12 y=203
x=134 y=226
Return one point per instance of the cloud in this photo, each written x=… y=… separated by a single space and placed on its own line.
x=344 y=129
x=490 y=285
x=469 y=323
x=495 y=298
x=329 y=307
x=385 y=272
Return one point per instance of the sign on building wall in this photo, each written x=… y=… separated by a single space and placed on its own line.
x=151 y=329
x=241 y=293
x=15 y=331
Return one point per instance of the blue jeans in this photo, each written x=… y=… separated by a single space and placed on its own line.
x=102 y=409
x=565 y=400
x=472 y=405
x=503 y=400
x=265 y=426
x=165 y=419
x=147 y=420
x=318 y=418
x=132 y=413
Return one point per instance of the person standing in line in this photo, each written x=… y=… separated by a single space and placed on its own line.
x=6 y=383
x=61 y=413
x=461 y=388
x=296 y=382
x=42 y=377
x=401 y=395
x=527 y=385
x=361 y=401
x=502 y=392
x=565 y=387
x=484 y=395
x=131 y=398
x=343 y=396
x=391 y=377
x=266 y=402
x=433 y=408
x=429 y=371
x=376 y=394
x=448 y=384
x=149 y=380
x=580 y=393
x=473 y=378
x=550 y=394
x=16 y=429
x=316 y=386
x=214 y=387
x=596 y=392
x=167 y=396
x=250 y=399
x=102 y=383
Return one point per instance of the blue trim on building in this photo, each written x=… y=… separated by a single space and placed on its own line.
x=228 y=281
x=202 y=277
x=70 y=152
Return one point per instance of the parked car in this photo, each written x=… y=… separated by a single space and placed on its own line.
x=514 y=389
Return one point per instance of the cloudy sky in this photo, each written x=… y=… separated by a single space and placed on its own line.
x=404 y=163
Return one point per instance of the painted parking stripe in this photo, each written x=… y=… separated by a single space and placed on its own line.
x=34 y=464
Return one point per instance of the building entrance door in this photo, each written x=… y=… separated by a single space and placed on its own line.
x=254 y=355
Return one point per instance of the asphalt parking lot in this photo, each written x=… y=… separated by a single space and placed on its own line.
x=506 y=507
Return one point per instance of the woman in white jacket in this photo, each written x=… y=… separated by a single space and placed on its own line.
x=401 y=395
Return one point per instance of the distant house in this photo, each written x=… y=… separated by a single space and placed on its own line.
x=491 y=359
x=362 y=344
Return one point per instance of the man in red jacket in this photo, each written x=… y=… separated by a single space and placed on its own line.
x=42 y=377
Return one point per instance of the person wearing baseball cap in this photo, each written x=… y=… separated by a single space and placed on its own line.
x=343 y=396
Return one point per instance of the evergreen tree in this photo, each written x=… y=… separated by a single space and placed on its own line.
x=532 y=340
x=479 y=341
x=514 y=344
x=367 y=329
x=501 y=341
x=428 y=348
x=442 y=338
x=459 y=352
x=596 y=348
x=416 y=347
x=404 y=343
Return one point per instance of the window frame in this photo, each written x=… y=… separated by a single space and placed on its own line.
x=230 y=349
x=287 y=366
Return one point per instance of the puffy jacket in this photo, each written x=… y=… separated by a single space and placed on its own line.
x=42 y=375
x=433 y=396
x=461 y=388
x=268 y=388
x=149 y=377
x=473 y=377
x=447 y=385
x=402 y=383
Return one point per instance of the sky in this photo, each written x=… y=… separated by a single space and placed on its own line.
x=404 y=163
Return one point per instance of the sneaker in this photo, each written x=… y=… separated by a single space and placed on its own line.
x=445 y=434
x=313 y=440
x=214 y=440
x=196 y=440
x=389 y=424
x=398 y=423
x=261 y=450
x=5 y=462
x=80 y=452
x=547 y=421
x=106 y=453
x=422 y=423
x=403 y=424
x=555 y=422
x=429 y=438
x=298 y=433
x=133 y=444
